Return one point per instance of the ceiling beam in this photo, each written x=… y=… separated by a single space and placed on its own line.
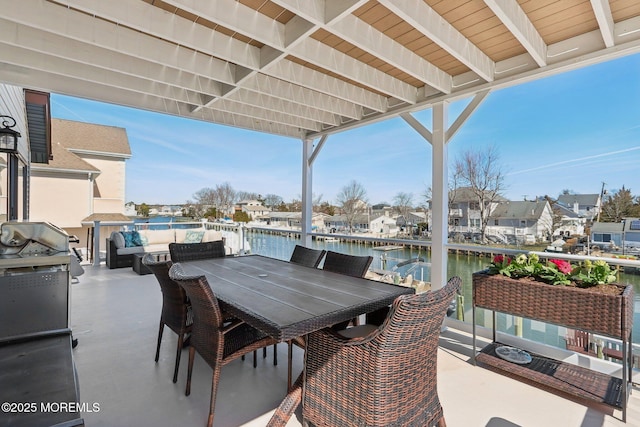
x=39 y=80
x=257 y=26
x=514 y=18
x=424 y=19
x=188 y=36
x=602 y=10
x=367 y=38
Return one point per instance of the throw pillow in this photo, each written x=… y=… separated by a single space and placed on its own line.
x=128 y=238
x=144 y=240
x=193 y=236
x=136 y=239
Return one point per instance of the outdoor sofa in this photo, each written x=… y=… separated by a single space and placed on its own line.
x=122 y=245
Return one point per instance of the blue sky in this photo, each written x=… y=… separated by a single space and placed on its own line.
x=572 y=131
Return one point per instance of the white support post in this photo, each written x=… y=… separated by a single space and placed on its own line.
x=96 y=243
x=307 y=192
x=439 y=199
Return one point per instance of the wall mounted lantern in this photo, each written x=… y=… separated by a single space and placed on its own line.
x=8 y=136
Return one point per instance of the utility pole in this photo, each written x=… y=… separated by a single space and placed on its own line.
x=601 y=196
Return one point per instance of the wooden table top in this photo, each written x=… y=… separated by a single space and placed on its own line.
x=287 y=300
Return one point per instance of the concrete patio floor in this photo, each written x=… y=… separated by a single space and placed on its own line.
x=115 y=313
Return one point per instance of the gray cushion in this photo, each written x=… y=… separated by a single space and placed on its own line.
x=130 y=250
x=118 y=239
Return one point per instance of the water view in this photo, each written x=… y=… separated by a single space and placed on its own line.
x=281 y=247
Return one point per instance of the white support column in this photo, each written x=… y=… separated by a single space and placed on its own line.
x=307 y=192
x=439 y=198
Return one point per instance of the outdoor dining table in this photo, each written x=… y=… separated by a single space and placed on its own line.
x=286 y=300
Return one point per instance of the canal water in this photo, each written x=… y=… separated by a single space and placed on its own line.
x=281 y=247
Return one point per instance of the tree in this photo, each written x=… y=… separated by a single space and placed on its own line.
x=225 y=198
x=203 y=199
x=402 y=205
x=618 y=205
x=480 y=170
x=241 y=217
x=352 y=200
x=143 y=210
x=556 y=214
x=272 y=200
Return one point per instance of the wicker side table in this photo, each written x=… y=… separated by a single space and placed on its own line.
x=142 y=269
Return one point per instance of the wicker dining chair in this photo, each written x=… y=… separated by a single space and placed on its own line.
x=385 y=378
x=181 y=252
x=306 y=256
x=176 y=309
x=217 y=341
x=351 y=265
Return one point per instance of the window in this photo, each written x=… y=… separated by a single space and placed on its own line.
x=602 y=237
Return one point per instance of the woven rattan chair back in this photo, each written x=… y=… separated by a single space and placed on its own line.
x=351 y=265
x=181 y=252
x=176 y=310
x=306 y=256
x=388 y=378
x=216 y=340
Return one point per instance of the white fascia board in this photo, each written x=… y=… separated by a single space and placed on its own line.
x=424 y=19
x=628 y=30
x=100 y=153
x=518 y=23
x=281 y=105
x=367 y=38
x=238 y=17
x=268 y=85
x=602 y=10
x=40 y=80
x=51 y=169
x=565 y=62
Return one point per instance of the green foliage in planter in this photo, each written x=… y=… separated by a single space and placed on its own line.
x=554 y=271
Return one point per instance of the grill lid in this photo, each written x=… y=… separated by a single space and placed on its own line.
x=32 y=238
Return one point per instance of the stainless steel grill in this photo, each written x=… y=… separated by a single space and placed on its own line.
x=32 y=238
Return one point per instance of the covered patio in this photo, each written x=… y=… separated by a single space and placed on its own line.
x=114 y=317
x=304 y=70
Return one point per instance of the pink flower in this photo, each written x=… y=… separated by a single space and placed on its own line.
x=563 y=266
x=499 y=259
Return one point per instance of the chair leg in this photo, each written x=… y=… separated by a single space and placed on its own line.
x=255 y=358
x=289 y=360
x=264 y=352
x=192 y=353
x=159 y=340
x=178 y=353
x=214 y=391
x=275 y=355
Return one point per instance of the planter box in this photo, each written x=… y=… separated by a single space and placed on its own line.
x=568 y=306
